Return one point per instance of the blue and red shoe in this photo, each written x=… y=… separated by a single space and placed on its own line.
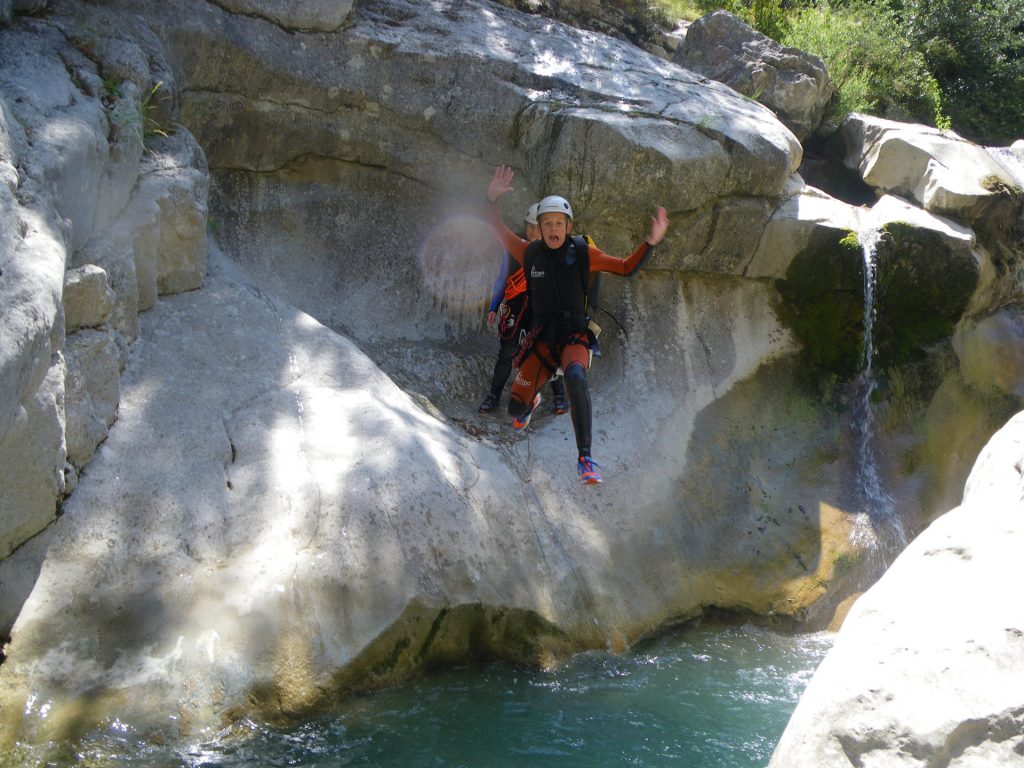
x=588 y=471
x=519 y=423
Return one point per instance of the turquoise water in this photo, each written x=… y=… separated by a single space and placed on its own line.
x=712 y=696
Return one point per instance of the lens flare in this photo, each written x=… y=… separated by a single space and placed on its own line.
x=459 y=261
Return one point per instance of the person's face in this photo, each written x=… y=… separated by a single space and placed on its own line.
x=532 y=232
x=554 y=228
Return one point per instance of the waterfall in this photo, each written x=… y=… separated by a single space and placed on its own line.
x=878 y=528
x=1012 y=160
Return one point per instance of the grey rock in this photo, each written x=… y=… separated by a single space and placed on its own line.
x=92 y=392
x=30 y=6
x=32 y=454
x=792 y=83
x=88 y=299
x=991 y=351
x=921 y=676
x=940 y=171
x=314 y=15
x=18 y=574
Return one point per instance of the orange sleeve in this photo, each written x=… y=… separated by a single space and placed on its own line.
x=602 y=262
x=510 y=241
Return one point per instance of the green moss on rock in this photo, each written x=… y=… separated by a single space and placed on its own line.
x=823 y=302
x=924 y=286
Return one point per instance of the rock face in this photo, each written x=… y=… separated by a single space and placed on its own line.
x=298 y=499
x=73 y=198
x=310 y=15
x=793 y=84
x=927 y=668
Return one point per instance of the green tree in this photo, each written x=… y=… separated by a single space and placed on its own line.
x=975 y=49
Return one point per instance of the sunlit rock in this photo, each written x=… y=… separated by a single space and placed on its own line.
x=806 y=218
x=793 y=84
x=928 y=664
x=942 y=172
x=32 y=454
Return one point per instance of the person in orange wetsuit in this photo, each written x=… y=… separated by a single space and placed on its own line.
x=557 y=269
x=508 y=309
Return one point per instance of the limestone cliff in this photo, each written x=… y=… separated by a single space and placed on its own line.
x=298 y=499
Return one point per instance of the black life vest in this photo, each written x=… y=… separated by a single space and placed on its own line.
x=558 y=286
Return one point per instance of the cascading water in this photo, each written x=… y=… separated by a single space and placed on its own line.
x=878 y=527
x=1012 y=160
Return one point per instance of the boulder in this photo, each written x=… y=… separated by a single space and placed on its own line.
x=931 y=676
x=927 y=271
x=436 y=113
x=88 y=299
x=792 y=83
x=940 y=171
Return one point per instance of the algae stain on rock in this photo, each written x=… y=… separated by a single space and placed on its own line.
x=424 y=637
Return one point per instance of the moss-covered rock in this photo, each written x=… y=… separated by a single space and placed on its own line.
x=923 y=288
x=823 y=302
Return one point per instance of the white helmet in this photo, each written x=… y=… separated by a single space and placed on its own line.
x=531 y=214
x=554 y=204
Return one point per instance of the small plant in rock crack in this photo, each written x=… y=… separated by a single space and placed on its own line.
x=151 y=125
x=139 y=118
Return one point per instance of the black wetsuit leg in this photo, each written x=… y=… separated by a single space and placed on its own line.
x=579 y=406
x=502 y=367
x=558 y=387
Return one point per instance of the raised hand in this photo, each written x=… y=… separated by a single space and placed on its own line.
x=501 y=183
x=659 y=226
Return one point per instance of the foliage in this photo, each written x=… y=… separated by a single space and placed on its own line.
x=948 y=63
x=873 y=65
x=673 y=10
x=975 y=49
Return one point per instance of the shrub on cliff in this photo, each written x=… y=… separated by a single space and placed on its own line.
x=976 y=52
x=874 y=66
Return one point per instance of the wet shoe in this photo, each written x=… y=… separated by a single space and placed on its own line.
x=519 y=423
x=560 y=405
x=588 y=471
x=489 y=404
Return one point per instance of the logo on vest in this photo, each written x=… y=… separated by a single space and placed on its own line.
x=534 y=272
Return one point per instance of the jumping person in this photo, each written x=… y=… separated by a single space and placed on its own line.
x=557 y=269
x=508 y=309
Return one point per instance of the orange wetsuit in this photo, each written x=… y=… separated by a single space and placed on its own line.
x=571 y=353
